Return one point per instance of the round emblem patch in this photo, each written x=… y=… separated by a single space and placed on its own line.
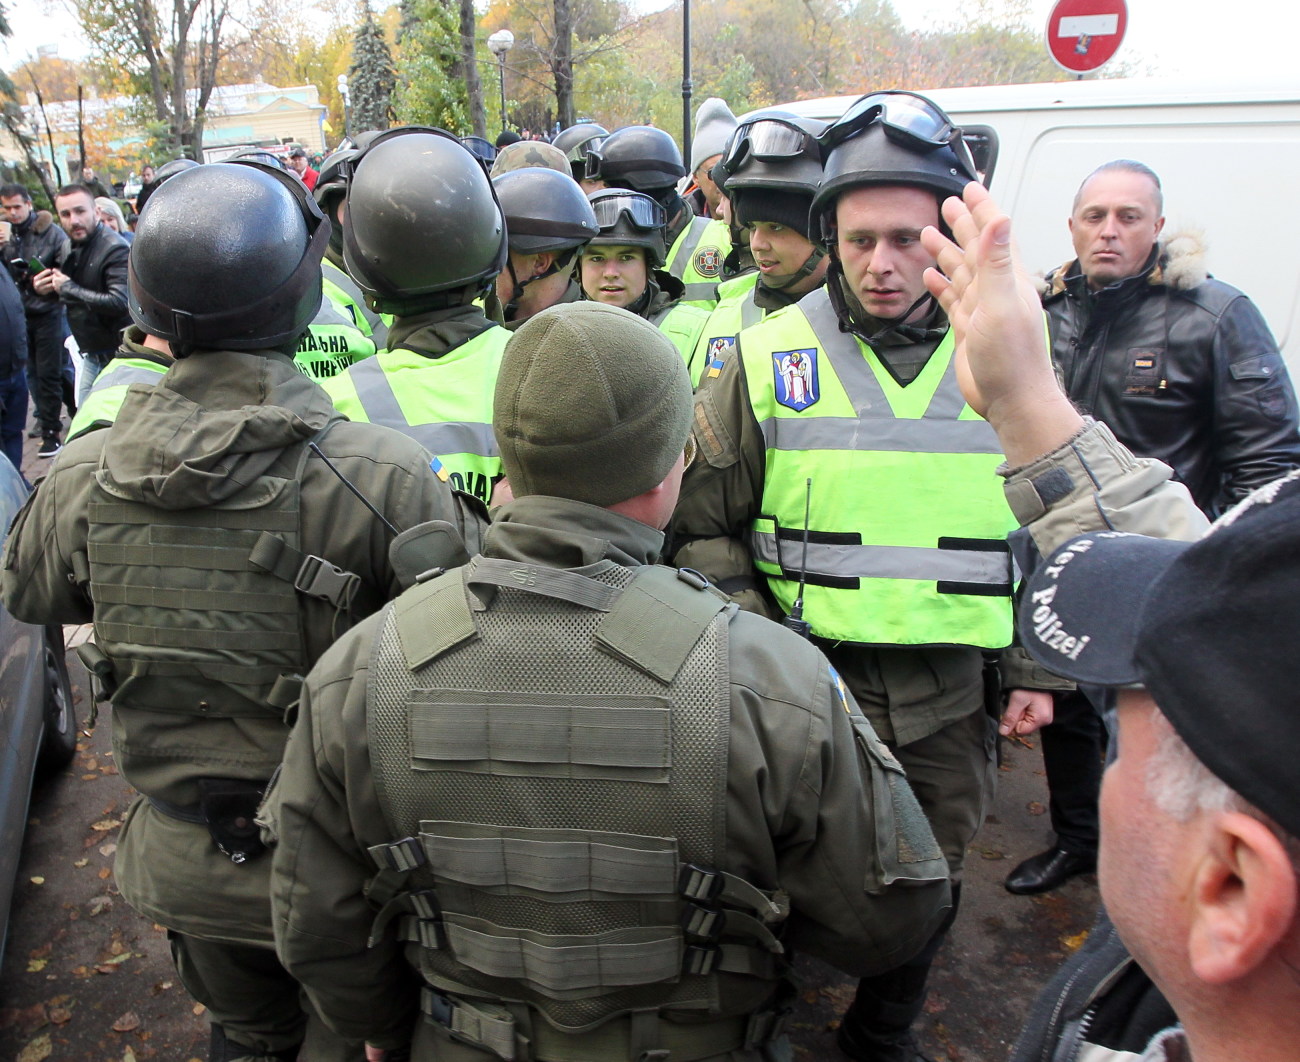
x=708 y=261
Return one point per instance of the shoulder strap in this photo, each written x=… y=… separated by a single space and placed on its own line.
x=433 y=617
x=657 y=620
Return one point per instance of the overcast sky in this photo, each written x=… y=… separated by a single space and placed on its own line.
x=1247 y=39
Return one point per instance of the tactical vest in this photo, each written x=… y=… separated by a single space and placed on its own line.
x=695 y=259
x=906 y=522
x=331 y=343
x=444 y=403
x=563 y=811
x=736 y=310
x=197 y=612
x=108 y=392
x=683 y=323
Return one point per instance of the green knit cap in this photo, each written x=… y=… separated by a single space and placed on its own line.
x=592 y=403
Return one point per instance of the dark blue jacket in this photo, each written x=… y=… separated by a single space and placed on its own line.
x=13 y=328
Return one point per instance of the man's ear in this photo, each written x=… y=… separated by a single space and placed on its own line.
x=542 y=262
x=1243 y=900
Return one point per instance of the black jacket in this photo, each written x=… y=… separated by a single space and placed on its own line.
x=1182 y=368
x=95 y=294
x=13 y=328
x=40 y=236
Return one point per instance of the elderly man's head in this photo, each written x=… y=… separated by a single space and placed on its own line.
x=1200 y=811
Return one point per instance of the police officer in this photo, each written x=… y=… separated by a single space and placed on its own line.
x=772 y=167
x=597 y=807
x=424 y=236
x=211 y=537
x=574 y=142
x=330 y=191
x=548 y=220
x=622 y=266
x=647 y=160
x=840 y=468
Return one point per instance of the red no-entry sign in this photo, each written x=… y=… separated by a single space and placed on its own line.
x=1083 y=35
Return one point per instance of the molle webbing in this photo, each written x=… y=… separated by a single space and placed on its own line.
x=555 y=833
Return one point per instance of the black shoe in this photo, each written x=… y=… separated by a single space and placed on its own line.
x=1049 y=870
x=858 y=1044
x=50 y=446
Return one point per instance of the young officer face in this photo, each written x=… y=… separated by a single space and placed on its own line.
x=614 y=275
x=878 y=240
x=778 y=250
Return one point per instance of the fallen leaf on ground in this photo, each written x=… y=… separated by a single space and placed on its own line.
x=38 y=880
x=1074 y=941
x=60 y=1015
x=37 y=1050
x=100 y=904
x=107 y=849
x=80 y=863
x=128 y=1021
x=104 y=873
x=1036 y=807
x=106 y=824
x=36 y=965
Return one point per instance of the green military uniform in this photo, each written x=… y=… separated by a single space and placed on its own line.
x=435 y=384
x=695 y=258
x=197 y=525
x=678 y=320
x=134 y=363
x=831 y=826
x=918 y=674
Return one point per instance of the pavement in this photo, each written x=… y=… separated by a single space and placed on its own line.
x=86 y=979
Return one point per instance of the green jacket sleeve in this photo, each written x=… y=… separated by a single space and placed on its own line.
x=325 y=813
x=722 y=491
x=818 y=805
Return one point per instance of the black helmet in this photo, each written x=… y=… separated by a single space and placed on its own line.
x=639 y=157
x=574 y=142
x=891 y=138
x=228 y=256
x=631 y=219
x=331 y=187
x=421 y=219
x=266 y=158
x=545 y=211
x=162 y=173
x=772 y=166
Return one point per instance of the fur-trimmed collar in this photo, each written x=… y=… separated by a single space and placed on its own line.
x=44 y=219
x=1179 y=266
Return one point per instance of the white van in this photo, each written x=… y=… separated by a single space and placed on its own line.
x=1228 y=157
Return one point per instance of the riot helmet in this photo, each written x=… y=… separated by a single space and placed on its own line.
x=772 y=166
x=890 y=138
x=331 y=187
x=266 y=158
x=228 y=256
x=544 y=211
x=631 y=219
x=639 y=157
x=481 y=148
x=574 y=142
x=422 y=227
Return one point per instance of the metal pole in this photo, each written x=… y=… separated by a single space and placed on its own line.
x=686 y=79
x=501 y=62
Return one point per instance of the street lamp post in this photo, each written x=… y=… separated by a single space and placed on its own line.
x=347 y=101
x=498 y=44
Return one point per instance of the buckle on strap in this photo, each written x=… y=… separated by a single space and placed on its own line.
x=766 y=1026
x=696 y=883
x=318 y=578
x=403 y=855
x=700 y=959
x=471 y=1024
x=703 y=923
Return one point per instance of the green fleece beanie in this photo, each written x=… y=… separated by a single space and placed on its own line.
x=592 y=403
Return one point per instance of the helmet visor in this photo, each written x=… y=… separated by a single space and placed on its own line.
x=766 y=140
x=590 y=151
x=641 y=212
x=908 y=119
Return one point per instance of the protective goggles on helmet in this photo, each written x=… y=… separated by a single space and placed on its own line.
x=578 y=153
x=641 y=211
x=595 y=160
x=765 y=140
x=908 y=119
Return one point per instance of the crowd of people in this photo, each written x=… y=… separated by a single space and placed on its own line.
x=540 y=588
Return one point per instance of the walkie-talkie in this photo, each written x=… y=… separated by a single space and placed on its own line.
x=795 y=620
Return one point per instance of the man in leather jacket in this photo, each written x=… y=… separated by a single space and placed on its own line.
x=1183 y=368
x=91 y=282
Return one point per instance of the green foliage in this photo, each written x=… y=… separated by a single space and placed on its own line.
x=428 y=93
x=372 y=80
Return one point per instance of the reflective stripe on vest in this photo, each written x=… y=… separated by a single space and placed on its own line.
x=907 y=522
x=348 y=293
x=108 y=392
x=684 y=324
x=444 y=403
x=701 y=289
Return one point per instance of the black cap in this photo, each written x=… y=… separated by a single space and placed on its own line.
x=1208 y=627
